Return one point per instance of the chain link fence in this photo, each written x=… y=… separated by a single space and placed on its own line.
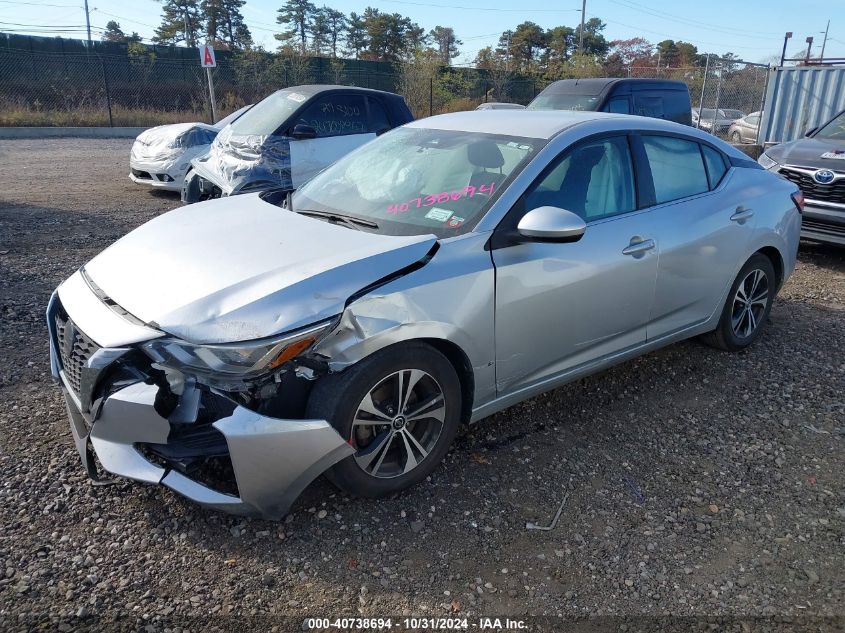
x=721 y=91
x=41 y=88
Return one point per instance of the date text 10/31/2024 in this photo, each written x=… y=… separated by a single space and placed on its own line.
x=440 y=198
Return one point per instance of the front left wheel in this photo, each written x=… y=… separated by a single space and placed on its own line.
x=399 y=409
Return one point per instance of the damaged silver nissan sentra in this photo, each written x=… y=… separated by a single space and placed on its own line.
x=234 y=350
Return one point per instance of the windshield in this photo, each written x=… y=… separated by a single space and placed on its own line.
x=733 y=114
x=414 y=181
x=228 y=119
x=834 y=130
x=265 y=117
x=551 y=101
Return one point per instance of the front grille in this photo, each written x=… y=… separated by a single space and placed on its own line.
x=833 y=192
x=144 y=175
x=74 y=348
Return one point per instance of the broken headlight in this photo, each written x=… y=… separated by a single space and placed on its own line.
x=234 y=360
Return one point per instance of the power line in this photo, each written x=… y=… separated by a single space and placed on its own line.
x=663 y=34
x=690 y=22
x=39 y=4
x=452 y=6
x=44 y=25
x=120 y=17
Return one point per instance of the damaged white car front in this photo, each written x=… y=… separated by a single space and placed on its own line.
x=161 y=156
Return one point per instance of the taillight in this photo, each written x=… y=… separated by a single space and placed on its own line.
x=798 y=199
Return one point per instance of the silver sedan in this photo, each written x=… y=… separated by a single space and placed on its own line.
x=236 y=349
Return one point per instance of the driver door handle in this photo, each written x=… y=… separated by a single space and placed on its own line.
x=638 y=248
x=741 y=214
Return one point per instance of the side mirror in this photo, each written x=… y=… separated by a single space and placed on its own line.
x=551 y=224
x=303 y=131
x=811 y=131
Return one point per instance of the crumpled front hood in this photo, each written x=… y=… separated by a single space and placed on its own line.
x=234 y=160
x=155 y=143
x=807 y=152
x=237 y=269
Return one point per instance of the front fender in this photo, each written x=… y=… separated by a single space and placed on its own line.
x=451 y=299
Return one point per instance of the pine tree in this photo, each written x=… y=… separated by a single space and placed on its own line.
x=235 y=29
x=446 y=43
x=113 y=32
x=180 y=22
x=356 y=35
x=337 y=25
x=224 y=23
x=297 y=16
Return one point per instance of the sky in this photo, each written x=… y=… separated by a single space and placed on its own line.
x=751 y=29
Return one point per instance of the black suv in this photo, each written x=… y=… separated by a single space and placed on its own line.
x=816 y=163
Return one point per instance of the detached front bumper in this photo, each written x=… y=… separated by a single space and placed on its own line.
x=119 y=423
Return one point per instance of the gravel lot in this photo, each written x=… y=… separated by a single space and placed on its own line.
x=699 y=483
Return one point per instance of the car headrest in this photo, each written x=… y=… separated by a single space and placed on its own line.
x=485 y=153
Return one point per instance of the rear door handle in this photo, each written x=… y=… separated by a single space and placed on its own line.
x=638 y=248
x=741 y=214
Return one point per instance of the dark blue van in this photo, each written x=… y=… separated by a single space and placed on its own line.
x=658 y=98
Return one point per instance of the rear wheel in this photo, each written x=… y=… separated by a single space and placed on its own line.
x=399 y=409
x=747 y=307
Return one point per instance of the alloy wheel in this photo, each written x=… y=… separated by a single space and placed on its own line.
x=398 y=423
x=749 y=304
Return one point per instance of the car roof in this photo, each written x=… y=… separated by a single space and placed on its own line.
x=313 y=89
x=597 y=85
x=542 y=124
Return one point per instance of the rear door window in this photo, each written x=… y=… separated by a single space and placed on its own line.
x=336 y=115
x=677 y=167
x=618 y=105
x=649 y=105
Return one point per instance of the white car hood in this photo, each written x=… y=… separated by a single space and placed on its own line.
x=169 y=132
x=154 y=145
x=237 y=269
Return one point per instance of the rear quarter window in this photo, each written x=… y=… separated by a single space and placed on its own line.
x=716 y=167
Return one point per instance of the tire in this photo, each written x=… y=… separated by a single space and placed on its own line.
x=736 y=138
x=366 y=394
x=737 y=330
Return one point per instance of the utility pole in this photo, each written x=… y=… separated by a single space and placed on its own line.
x=581 y=34
x=824 y=41
x=786 y=38
x=809 y=41
x=88 y=23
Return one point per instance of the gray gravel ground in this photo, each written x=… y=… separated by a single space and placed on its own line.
x=699 y=483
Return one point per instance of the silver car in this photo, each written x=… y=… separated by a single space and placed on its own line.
x=236 y=349
x=710 y=120
x=746 y=129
